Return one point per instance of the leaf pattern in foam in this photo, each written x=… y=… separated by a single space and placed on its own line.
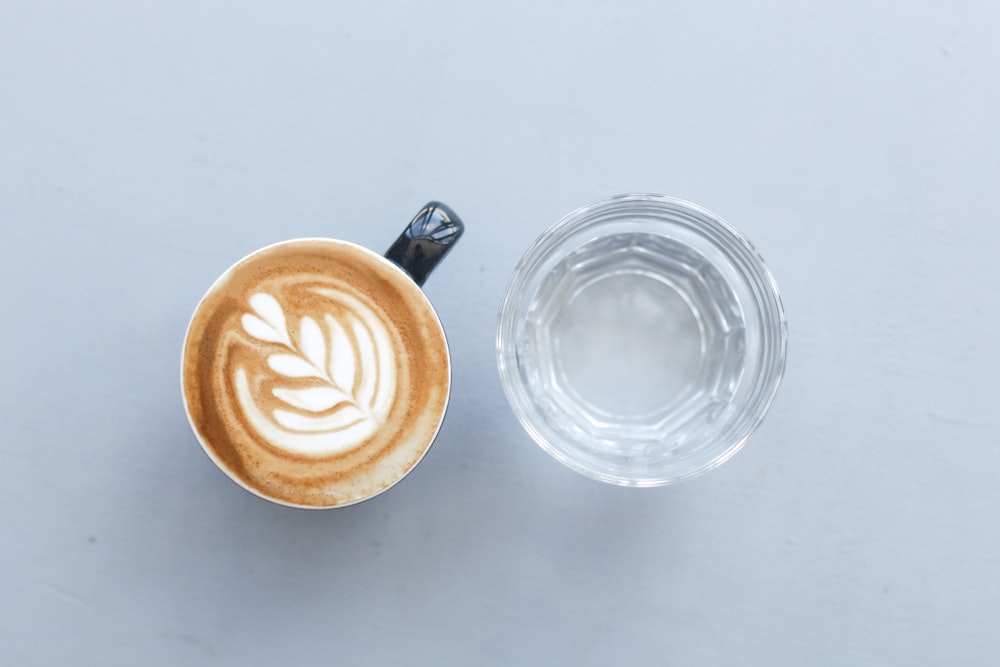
x=313 y=399
x=343 y=365
x=293 y=366
x=269 y=322
x=366 y=350
x=346 y=417
x=312 y=344
x=353 y=399
x=261 y=330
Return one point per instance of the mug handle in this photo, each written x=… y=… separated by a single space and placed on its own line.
x=426 y=240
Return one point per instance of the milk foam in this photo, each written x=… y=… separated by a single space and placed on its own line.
x=345 y=356
x=315 y=373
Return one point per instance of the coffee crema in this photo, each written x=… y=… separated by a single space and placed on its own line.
x=315 y=373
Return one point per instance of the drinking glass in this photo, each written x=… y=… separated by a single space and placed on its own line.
x=641 y=340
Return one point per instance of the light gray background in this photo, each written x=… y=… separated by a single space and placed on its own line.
x=144 y=146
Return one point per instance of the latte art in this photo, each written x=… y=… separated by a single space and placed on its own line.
x=340 y=376
x=315 y=373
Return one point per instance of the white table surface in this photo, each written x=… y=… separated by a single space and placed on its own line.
x=146 y=146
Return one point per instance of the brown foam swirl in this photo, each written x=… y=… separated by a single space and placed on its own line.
x=315 y=373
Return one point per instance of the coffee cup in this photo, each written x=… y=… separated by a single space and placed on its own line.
x=315 y=372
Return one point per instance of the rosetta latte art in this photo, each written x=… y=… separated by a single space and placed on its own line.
x=334 y=381
x=315 y=373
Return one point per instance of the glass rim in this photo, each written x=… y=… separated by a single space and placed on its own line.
x=751 y=267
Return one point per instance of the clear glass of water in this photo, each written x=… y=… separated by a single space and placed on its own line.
x=641 y=340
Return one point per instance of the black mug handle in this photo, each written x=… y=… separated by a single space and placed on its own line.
x=426 y=240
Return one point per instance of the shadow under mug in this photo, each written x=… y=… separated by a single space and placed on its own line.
x=315 y=373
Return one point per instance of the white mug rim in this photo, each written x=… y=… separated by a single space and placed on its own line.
x=211 y=290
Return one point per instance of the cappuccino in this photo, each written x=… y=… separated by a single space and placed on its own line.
x=315 y=373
